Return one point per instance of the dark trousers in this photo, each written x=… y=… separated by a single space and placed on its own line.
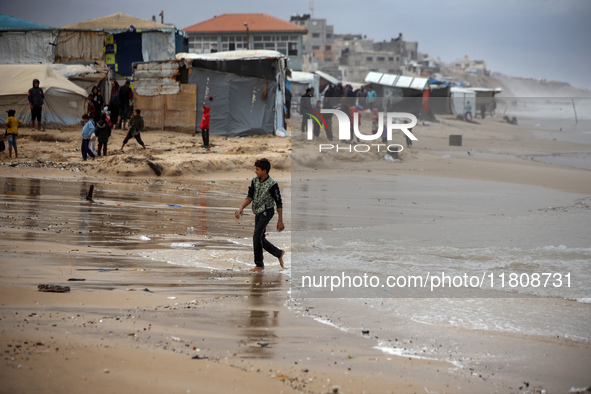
x=305 y=118
x=259 y=241
x=205 y=136
x=85 y=151
x=132 y=134
x=102 y=146
x=328 y=120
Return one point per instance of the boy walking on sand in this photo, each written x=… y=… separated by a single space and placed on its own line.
x=12 y=125
x=87 y=132
x=264 y=194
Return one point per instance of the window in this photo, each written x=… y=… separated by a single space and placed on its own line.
x=328 y=35
x=315 y=35
x=390 y=58
x=316 y=47
x=232 y=43
x=369 y=59
x=203 y=44
x=328 y=59
x=328 y=47
x=381 y=59
x=292 y=49
x=287 y=45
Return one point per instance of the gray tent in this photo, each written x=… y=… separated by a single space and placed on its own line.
x=246 y=90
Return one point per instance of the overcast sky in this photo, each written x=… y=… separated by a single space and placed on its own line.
x=528 y=38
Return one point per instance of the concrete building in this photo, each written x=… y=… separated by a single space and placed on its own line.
x=320 y=37
x=230 y=32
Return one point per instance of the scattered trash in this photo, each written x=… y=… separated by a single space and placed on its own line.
x=391 y=159
x=103 y=270
x=176 y=339
x=174 y=205
x=198 y=357
x=148 y=290
x=365 y=332
x=144 y=238
x=183 y=245
x=471 y=152
x=76 y=280
x=53 y=288
x=171 y=298
x=262 y=344
x=190 y=230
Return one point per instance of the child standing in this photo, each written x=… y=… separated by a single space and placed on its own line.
x=87 y=131
x=103 y=132
x=204 y=126
x=264 y=195
x=12 y=125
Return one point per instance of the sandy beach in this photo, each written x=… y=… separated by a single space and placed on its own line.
x=136 y=320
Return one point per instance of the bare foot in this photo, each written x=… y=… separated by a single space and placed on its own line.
x=281 y=259
x=257 y=269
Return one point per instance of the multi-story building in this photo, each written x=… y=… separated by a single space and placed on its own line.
x=320 y=37
x=229 y=32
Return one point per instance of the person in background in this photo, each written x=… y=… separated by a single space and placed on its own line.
x=371 y=97
x=125 y=94
x=136 y=126
x=468 y=112
x=90 y=108
x=87 y=132
x=204 y=126
x=114 y=103
x=287 y=103
x=12 y=125
x=99 y=102
x=36 y=99
x=103 y=132
x=305 y=106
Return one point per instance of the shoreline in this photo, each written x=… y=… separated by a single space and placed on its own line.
x=108 y=333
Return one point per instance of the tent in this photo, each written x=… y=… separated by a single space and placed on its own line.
x=460 y=97
x=22 y=41
x=65 y=102
x=127 y=39
x=246 y=88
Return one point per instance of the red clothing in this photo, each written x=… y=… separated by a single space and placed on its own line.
x=205 y=119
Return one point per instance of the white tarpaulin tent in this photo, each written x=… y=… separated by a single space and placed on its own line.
x=459 y=98
x=65 y=102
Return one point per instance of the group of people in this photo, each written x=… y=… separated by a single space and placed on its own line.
x=98 y=120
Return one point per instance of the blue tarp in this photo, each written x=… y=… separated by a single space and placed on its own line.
x=8 y=22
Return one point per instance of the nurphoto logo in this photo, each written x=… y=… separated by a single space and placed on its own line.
x=347 y=130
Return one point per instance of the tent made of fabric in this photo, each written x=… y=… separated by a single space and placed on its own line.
x=64 y=104
x=246 y=88
x=459 y=98
x=22 y=41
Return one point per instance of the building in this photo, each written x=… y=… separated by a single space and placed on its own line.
x=320 y=37
x=230 y=32
x=122 y=40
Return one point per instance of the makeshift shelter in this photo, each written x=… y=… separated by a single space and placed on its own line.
x=325 y=81
x=298 y=82
x=22 y=41
x=459 y=98
x=485 y=99
x=395 y=91
x=246 y=90
x=64 y=104
x=164 y=101
x=126 y=39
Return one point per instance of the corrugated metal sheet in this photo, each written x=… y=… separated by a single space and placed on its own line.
x=398 y=81
x=154 y=78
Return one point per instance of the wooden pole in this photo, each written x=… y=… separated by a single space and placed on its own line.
x=576 y=119
x=90 y=191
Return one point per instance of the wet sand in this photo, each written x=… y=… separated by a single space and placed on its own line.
x=136 y=324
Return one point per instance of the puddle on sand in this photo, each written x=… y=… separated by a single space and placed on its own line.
x=57 y=211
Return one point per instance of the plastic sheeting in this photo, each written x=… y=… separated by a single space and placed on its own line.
x=80 y=45
x=158 y=46
x=64 y=101
x=36 y=46
x=238 y=107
